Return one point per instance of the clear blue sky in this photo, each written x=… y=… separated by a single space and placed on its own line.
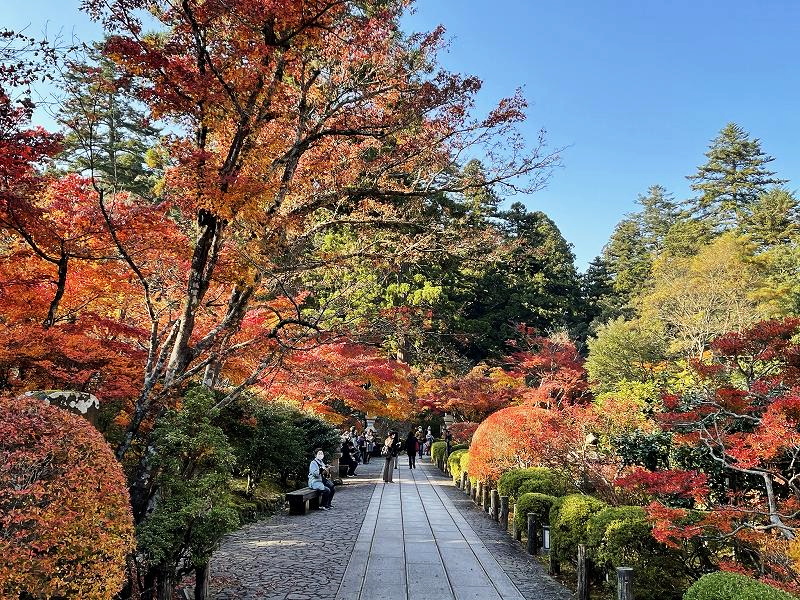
x=635 y=88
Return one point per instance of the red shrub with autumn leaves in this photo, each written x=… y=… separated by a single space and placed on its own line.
x=65 y=518
x=562 y=439
x=742 y=421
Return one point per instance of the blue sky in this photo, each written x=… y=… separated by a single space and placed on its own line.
x=635 y=89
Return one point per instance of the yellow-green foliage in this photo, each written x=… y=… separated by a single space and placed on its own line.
x=539 y=504
x=454 y=461
x=732 y=586
x=437 y=451
x=569 y=518
x=465 y=467
x=536 y=479
x=620 y=536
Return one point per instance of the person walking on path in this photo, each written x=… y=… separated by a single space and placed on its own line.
x=317 y=470
x=420 y=440
x=389 y=452
x=370 y=441
x=411 y=449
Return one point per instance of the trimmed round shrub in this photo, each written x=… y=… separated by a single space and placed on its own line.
x=569 y=519
x=465 y=462
x=550 y=484
x=454 y=461
x=621 y=536
x=65 y=516
x=541 y=480
x=437 y=451
x=532 y=503
x=732 y=586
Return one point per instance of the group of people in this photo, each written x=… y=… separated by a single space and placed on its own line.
x=358 y=447
x=416 y=443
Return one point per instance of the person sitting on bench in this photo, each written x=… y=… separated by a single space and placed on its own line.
x=317 y=479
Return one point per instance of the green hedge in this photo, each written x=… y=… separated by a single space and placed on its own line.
x=539 y=480
x=569 y=519
x=454 y=461
x=465 y=467
x=732 y=586
x=437 y=451
x=532 y=503
x=550 y=484
x=621 y=536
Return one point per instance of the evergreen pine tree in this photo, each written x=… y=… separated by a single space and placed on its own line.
x=659 y=213
x=732 y=179
x=628 y=259
x=107 y=136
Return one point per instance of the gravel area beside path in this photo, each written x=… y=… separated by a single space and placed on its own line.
x=301 y=557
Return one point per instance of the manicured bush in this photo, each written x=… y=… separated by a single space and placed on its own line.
x=550 y=483
x=437 y=451
x=454 y=461
x=532 y=503
x=465 y=462
x=732 y=586
x=620 y=536
x=65 y=516
x=569 y=519
x=542 y=481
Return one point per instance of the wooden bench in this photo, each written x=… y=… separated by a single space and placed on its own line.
x=303 y=499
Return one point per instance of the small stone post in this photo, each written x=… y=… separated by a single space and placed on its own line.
x=468 y=489
x=624 y=583
x=464 y=480
x=504 y=512
x=485 y=498
x=479 y=493
x=583 y=579
x=495 y=505
x=533 y=534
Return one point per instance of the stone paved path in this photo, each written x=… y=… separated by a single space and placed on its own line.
x=417 y=538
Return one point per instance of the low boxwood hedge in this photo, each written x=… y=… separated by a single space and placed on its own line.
x=454 y=461
x=621 y=536
x=732 y=586
x=540 y=480
x=569 y=520
x=437 y=451
x=539 y=504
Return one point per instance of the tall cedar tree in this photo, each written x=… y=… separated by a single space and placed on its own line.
x=108 y=135
x=732 y=179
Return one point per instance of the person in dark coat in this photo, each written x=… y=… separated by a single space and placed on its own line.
x=411 y=447
x=348 y=456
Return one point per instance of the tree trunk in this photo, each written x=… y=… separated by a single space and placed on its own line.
x=165 y=582
x=202 y=576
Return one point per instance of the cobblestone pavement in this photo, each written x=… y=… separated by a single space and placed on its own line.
x=300 y=557
x=305 y=557
x=525 y=572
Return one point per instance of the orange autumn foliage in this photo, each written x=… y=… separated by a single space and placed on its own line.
x=65 y=518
